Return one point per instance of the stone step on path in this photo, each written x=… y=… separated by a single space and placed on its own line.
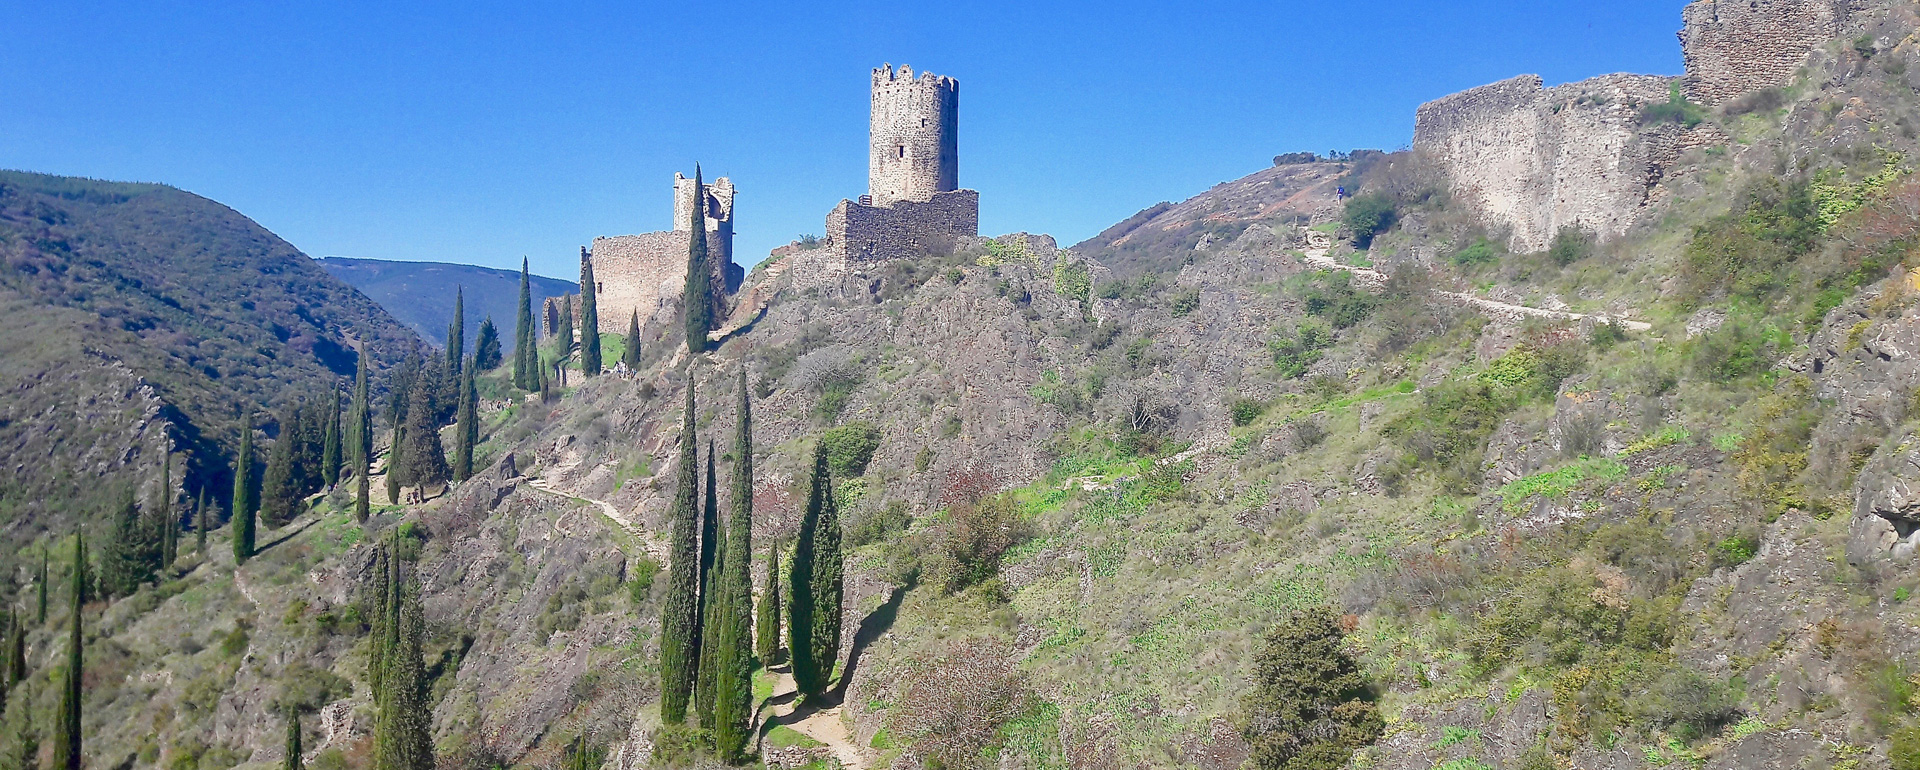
x=1373 y=279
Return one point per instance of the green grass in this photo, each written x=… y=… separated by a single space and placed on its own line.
x=784 y=737
x=1557 y=484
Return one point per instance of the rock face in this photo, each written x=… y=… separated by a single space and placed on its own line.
x=1886 y=505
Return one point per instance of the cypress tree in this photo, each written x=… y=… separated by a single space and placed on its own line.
x=467 y=427
x=361 y=454
x=486 y=345
x=733 y=642
x=378 y=642
x=42 y=583
x=17 y=653
x=165 y=519
x=457 y=331
x=631 y=356
x=402 y=737
x=12 y=626
x=818 y=585
x=330 y=452
x=679 y=619
x=563 y=329
x=766 y=622
x=396 y=474
x=293 y=741
x=66 y=741
x=200 y=525
x=589 y=317
x=526 y=361
x=422 y=459
x=713 y=548
x=696 y=299
x=278 y=492
x=243 y=495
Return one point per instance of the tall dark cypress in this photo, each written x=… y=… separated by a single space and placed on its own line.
x=164 y=516
x=379 y=642
x=201 y=521
x=124 y=565
x=563 y=329
x=17 y=652
x=766 y=622
x=631 y=356
x=332 y=443
x=526 y=361
x=293 y=760
x=457 y=331
x=402 y=730
x=362 y=450
x=243 y=504
x=679 y=619
x=696 y=300
x=423 y=461
x=733 y=641
x=279 y=492
x=818 y=585
x=713 y=548
x=589 y=317
x=42 y=585
x=66 y=741
x=466 y=427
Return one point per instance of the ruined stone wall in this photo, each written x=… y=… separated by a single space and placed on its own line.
x=646 y=273
x=913 y=137
x=550 y=310
x=857 y=232
x=1732 y=47
x=719 y=212
x=1535 y=160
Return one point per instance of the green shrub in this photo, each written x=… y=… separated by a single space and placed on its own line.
x=1331 y=295
x=1246 y=410
x=1676 y=109
x=640 y=579
x=968 y=544
x=1073 y=280
x=1185 y=302
x=875 y=525
x=1736 y=350
x=850 y=447
x=1294 y=353
x=1570 y=245
x=1744 y=253
x=1735 y=550
x=1480 y=252
x=1308 y=707
x=1449 y=430
x=1903 y=750
x=1690 y=703
x=1369 y=215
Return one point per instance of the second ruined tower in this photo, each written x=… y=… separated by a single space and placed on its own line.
x=913 y=140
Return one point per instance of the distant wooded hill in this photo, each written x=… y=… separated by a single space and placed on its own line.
x=138 y=316
x=420 y=294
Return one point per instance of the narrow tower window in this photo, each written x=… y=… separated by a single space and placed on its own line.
x=903 y=151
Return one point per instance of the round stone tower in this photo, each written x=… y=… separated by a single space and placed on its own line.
x=913 y=142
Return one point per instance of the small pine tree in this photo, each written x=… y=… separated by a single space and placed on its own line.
x=733 y=640
x=293 y=760
x=331 y=446
x=362 y=450
x=713 y=548
x=466 y=427
x=66 y=741
x=243 y=504
x=526 y=361
x=589 y=317
x=766 y=622
x=486 y=346
x=679 y=619
x=818 y=585
x=1309 y=706
x=423 y=460
x=123 y=564
x=696 y=300
x=631 y=356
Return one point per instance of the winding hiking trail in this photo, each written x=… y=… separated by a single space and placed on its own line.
x=822 y=725
x=656 y=548
x=1316 y=255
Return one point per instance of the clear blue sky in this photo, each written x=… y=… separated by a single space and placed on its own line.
x=466 y=132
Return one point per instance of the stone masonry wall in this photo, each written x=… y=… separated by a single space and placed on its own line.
x=1734 y=47
x=1534 y=160
x=857 y=232
x=646 y=273
x=913 y=136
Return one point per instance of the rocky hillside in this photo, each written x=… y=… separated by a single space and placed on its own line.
x=1076 y=495
x=141 y=320
x=420 y=294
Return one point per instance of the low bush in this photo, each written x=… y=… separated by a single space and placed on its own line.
x=1369 y=215
x=1245 y=410
x=1676 y=109
x=968 y=544
x=850 y=447
x=1480 y=252
x=1308 y=706
x=1330 y=295
x=1570 y=245
x=1294 y=353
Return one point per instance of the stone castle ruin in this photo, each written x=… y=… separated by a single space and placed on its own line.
x=913 y=202
x=1535 y=160
x=647 y=272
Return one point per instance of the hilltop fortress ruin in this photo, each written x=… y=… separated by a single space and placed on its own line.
x=1535 y=160
x=645 y=273
x=914 y=202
